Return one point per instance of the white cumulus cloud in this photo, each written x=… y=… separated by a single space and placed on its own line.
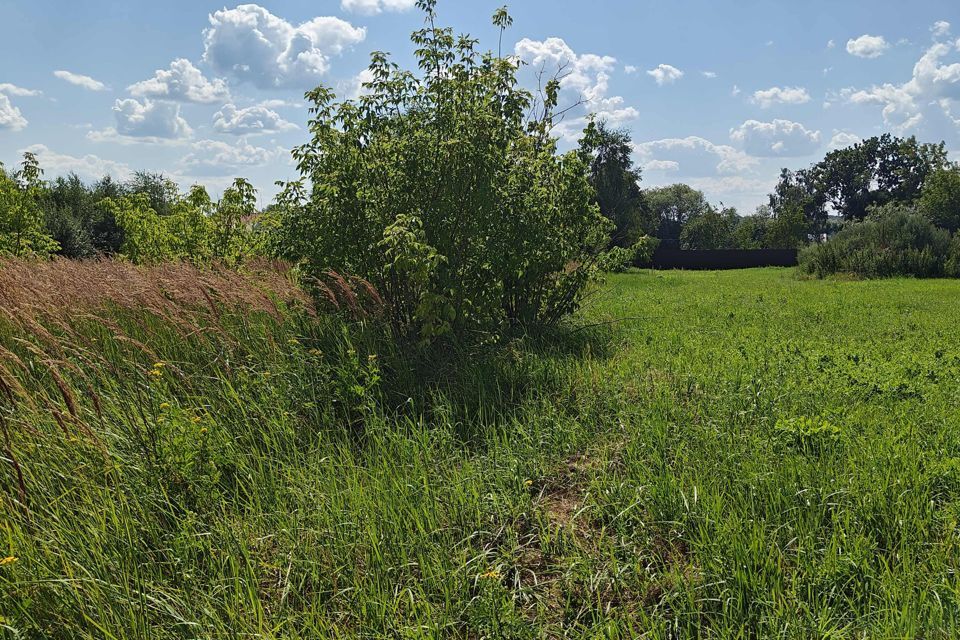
x=664 y=166
x=251 y=120
x=587 y=76
x=694 y=156
x=150 y=119
x=216 y=158
x=935 y=83
x=89 y=167
x=182 y=82
x=665 y=74
x=86 y=82
x=867 y=46
x=20 y=92
x=767 y=98
x=779 y=138
x=843 y=139
x=940 y=29
x=253 y=45
x=373 y=7
x=10 y=117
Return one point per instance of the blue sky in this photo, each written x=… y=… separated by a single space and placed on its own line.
x=718 y=94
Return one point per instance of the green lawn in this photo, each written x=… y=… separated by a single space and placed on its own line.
x=718 y=454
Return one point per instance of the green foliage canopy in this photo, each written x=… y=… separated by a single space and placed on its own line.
x=940 y=199
x=445 y=190
x=22 y=229
x=608 y=154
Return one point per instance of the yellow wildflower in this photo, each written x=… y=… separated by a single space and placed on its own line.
x=159 y=365
x=8 y=560
x=293 y=341
x=203 y=431
x=527 y=483
x=492 y=574
x=195 y=419
x=156 y=373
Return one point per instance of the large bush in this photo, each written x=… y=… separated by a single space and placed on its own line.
x=445 y=190
x=891 y=243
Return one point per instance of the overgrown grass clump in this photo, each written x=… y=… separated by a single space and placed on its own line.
x=702 y=454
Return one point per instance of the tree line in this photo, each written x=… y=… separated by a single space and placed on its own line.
x=144 y=219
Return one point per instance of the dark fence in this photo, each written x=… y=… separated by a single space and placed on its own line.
x=721 y=259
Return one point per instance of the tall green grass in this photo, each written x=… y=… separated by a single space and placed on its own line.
x=740 y=454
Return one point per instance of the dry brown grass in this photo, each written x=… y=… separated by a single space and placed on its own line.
x=172 y=290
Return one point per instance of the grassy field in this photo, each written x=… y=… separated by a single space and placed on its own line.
x=726 y=455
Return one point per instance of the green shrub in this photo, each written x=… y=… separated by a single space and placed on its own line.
x=193 y=228
x=441 y=191
x=619 y=259
x=896 y=243
x=644 y=249
x=616 y=260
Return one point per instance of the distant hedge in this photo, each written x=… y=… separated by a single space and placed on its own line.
x=898 y=244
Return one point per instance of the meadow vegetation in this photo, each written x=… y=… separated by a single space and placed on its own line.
x=706 y=455
x=410 y=398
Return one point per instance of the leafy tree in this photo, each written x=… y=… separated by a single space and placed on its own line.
x=67 y=202
x=848 y=181
x=162 y=192
x=233 y=213
x=940 y=198
x=672 y=207
x=147 y=237
x=608 y=153
x=106 y=236
x=799 y=191
x=192 y=225
x=22 y=229
x=787 y=229
x=750 y=232
x=710 y=230
x=446 y=191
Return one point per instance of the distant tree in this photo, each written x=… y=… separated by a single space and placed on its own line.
x=787 y=229
x=848 y=181
x=162 y=192
x=750 y=232
x=940 y=198
x=105 y=234
x=146 y=236
x=22 y=229
x=230 y=219
x=799 y=191
x=608 y=154
x=710 y=230
x=672 y=207
x=67 y=205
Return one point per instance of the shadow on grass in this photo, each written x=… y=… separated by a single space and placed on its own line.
x=478 y=388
